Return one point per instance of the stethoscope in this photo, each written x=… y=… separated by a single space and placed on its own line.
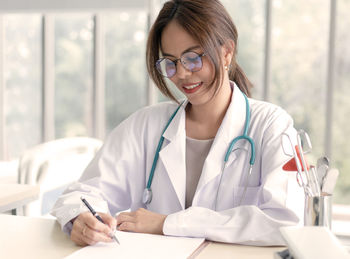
x=147 y=193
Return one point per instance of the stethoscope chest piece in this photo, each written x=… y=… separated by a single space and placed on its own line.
x=147 y=196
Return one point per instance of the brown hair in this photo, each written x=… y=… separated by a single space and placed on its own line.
x=211 y=25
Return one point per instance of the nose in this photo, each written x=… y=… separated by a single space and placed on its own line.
x=181 y=71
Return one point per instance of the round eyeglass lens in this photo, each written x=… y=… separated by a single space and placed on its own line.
x=166 y=67
x=192 y=61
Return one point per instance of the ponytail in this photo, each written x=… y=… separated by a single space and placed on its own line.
x=237 y=75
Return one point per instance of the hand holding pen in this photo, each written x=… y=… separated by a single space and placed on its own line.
x=87 y=230
x=96 y=215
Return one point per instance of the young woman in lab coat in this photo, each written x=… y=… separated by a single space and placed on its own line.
x=194 y=44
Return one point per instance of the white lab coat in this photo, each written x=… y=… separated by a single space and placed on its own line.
x=117 y=176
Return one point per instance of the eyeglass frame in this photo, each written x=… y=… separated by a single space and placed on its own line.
x=179 y=59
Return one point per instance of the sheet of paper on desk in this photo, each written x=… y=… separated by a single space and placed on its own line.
x=136 y=245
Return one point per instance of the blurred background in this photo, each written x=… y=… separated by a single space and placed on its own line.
x=77 y=68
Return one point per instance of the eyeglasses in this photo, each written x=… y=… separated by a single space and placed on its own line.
x=192 y=61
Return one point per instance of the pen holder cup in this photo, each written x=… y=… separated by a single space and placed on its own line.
x=318 y=211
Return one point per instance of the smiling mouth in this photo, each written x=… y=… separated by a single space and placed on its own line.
x=190 y=89
x=192 y=86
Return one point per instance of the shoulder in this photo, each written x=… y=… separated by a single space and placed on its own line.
x=268 y=114
x=268 y=123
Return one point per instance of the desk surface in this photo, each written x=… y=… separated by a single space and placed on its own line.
x=229 y=251
x=36 y=238
x=29 y=238
x=13 y=196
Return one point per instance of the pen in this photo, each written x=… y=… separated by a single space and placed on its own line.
x=96 y=215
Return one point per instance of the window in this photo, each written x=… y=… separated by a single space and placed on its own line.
x=99 y=72
x=341 y=104
x=126 y=75
x=22 y=74
x=73 y=46
x=299 y=64
x=298 y=70
x=70 y=71
x=248 y=17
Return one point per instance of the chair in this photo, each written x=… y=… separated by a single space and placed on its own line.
x=53 y=166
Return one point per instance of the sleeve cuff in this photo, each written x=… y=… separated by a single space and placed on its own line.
x=168 y=227
x=68 y=228
x=174 y=224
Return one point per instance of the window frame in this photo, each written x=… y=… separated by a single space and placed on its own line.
x=47 y=9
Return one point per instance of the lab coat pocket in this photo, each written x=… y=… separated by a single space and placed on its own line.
x=251 y=196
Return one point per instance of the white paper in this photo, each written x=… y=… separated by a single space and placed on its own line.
x=136 y=245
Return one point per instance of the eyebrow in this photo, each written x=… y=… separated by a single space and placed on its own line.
x=186 y=50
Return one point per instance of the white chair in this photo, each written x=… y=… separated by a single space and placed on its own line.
x=53 y=165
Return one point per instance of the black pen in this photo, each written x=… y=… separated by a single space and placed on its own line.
x=97 y=216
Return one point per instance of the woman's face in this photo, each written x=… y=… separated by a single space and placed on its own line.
x=175 y=41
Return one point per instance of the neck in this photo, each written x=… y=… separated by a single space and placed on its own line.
x=208 y=116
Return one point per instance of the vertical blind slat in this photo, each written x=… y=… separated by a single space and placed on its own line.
x=330 y=79
x=2 y=91
x=151 y=88
x=99 y=78
x=267 y=52
x=48 y=78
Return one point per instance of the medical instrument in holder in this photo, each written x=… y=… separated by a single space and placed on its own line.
x=318 y=184
x=321 y=174
x=293 y=151
x=303 y=140
x=322 y=161
x=306 y=175
x=329 y=181
x=147 y=193
x=314 y=181
x=322 y=167
x=327 y=177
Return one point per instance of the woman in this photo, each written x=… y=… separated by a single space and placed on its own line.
x=196 y=190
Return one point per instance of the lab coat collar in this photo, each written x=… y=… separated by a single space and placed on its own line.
x=234 y=120
x=231 y=126
x=173 y=151
x=177 y=126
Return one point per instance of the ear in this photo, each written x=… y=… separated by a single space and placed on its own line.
x=228 y=50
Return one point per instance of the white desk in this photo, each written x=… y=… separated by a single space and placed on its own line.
x=229 y=251
x=30 y=238
x=13 y=196
x=36 y=238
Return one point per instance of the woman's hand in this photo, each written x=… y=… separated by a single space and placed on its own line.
x=87 y=230
x=142 y=221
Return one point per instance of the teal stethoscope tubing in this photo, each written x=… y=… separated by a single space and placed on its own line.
x=147 y=194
